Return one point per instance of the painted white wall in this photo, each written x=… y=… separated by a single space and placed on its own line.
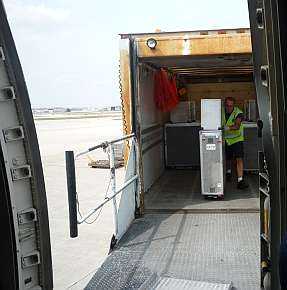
x=153 y=159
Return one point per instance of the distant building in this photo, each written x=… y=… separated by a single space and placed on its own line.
x=55 y=110
x=59 y=110
x=116 y=108
x=77 y=109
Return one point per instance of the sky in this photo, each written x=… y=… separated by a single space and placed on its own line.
x=69 y=48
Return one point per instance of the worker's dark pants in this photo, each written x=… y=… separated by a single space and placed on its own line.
x=234 y=151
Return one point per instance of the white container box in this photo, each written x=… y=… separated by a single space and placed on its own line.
x=181 y=113
x=211 y=110
x=211 y=163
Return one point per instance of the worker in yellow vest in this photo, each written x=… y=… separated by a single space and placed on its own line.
x=234 y=137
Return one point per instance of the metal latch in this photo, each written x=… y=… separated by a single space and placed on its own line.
x=27 y=216
x=264 y=75
x=21 y=172
x=7 y=94
x=30 y=259
x=13 y=134
x=260 y=18
x=2 y=55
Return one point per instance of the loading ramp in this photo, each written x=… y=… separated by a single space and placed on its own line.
x=210 y=241
x=215 y=247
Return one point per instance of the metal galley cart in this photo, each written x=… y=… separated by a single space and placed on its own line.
x=211 y=148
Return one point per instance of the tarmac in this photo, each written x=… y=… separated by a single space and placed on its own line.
x=76 y=260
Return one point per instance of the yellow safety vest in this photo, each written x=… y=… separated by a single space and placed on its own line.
x=232 y=136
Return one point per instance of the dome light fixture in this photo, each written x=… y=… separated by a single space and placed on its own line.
x=151 y=43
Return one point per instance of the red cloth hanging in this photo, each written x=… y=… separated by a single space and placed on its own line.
x=165 y=91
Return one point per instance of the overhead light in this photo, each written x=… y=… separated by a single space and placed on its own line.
x=151 y=43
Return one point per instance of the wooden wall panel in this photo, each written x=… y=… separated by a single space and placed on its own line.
x=125 y=86
x=197 y=45
x=240 y=91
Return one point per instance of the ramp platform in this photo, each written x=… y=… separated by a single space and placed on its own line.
x=214 y=248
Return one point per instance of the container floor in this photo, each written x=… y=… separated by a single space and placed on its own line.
x=180 y=190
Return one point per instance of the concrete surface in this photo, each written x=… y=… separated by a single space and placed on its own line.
x=75 y=260
x=180 y=189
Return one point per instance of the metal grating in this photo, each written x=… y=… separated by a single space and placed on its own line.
x=172 y=283
x=216 y=248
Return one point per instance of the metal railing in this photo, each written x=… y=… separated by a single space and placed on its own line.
x=72 y=188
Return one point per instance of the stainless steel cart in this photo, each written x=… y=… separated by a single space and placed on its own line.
x=212 y=162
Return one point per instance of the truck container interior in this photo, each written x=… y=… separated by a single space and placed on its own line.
x=170 y=151
x=182 y=234
x=172 y=182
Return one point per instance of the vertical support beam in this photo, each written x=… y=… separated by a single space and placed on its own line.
x=139 y=181
x=72 y=193
x=135 y=122
x=113 y=182
x=136 y=114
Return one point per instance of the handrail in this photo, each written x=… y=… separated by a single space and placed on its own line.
x=91 y=212
x=72 y=190
x=104 y=144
